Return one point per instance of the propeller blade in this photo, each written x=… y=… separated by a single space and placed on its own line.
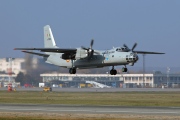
x=97 y=52
x=92 y=42
x=125 y=46
x=84 y=48
x=134 y=46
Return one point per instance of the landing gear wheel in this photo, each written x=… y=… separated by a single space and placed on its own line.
x=72 y=71
x=124 y=69
x=113 y=72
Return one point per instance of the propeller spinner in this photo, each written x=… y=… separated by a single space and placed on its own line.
x=90 y=51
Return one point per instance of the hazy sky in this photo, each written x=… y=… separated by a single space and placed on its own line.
x=153 y=24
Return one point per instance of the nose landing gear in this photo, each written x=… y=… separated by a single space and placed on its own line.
x=124 y=69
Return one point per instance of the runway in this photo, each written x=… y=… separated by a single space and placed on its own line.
x=33 y=108
x=101 y=89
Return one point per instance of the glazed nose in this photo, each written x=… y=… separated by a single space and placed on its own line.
x=135 y=57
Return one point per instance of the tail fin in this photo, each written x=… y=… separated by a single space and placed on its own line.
x=48 y=38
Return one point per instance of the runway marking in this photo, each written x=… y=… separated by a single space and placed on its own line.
x=46 y=110
x=139 y=112
x=95 y=111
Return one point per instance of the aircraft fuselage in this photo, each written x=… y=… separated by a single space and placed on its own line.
x=105 y=58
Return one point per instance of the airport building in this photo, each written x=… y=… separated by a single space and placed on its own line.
x=119 y=80
x=74 y=80
x=7 y=78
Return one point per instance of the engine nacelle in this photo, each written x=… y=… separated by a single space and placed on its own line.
x=81 y=53
x=66 y=56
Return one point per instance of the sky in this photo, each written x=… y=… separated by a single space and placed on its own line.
x=153 y=24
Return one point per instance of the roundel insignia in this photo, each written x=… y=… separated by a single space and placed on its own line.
x=67 y=60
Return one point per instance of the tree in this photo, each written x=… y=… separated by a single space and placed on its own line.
x=20 y=78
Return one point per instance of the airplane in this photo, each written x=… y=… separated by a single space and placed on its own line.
x=85 y=57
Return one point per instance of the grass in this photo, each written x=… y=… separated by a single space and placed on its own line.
x=161 y=99
x=82 y=116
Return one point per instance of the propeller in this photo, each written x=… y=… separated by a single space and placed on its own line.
x=126 y=47
x=89 y=50
x=134 y=46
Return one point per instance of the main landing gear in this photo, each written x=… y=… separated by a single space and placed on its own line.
x=72 y=70
x=113 y=71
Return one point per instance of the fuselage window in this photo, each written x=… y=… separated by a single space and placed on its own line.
x=112 y=55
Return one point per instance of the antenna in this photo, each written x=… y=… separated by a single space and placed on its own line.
x=143 y=70
x=168 y=70
x=9 y=70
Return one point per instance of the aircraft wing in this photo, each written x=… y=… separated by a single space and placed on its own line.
x=56 y=50
x=145 y=52
x=35 y=53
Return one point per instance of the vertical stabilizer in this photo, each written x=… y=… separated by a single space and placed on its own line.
x=48 y=38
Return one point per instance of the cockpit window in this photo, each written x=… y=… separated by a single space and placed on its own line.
x=118 y=49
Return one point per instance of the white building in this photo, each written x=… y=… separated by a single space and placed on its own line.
x=139 y=79
x=17 y=64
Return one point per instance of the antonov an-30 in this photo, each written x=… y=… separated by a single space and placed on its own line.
x=83 y=57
